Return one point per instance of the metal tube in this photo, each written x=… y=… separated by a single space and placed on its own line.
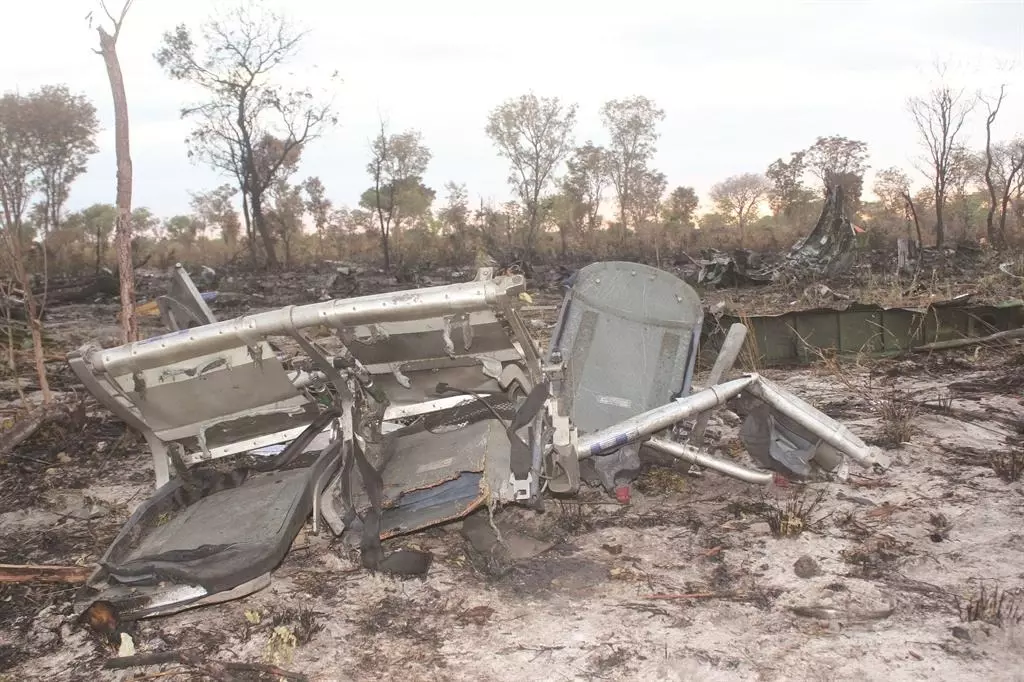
x=652 y=421
x=393 y=307
x=695 y=456
x=818 y=423
x=727 y=356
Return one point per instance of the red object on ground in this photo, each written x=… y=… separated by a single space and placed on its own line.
x=781 y=481
x=622 y=494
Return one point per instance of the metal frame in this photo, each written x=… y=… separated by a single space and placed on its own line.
x=118 y=376
x=114 y=377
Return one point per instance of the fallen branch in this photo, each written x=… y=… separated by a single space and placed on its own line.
x=23 y=428
x=218 y=670
x=998 y=337
x=28 y=573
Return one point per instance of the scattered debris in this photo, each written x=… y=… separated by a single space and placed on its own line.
x=192 y=663
x=439 y=409
x=27 y=425
x=834 y=614
x=665 y=530
x=829 y=249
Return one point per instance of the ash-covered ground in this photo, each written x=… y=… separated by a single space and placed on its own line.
x=688 y=581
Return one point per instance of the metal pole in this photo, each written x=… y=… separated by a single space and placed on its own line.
x=818 y=423
x=727 y=356
x=653 y=421
x=695 y=456
x=250 y=329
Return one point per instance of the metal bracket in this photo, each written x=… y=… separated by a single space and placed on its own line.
x=522 y=488
x=565 y=476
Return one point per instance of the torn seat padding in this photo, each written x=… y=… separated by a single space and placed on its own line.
x=433 y=472
x=224 y=538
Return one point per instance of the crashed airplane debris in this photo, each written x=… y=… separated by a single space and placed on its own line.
x=828 y=250
x=422 y=407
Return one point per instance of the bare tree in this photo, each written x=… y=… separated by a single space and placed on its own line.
x=738 y=196
x=939 y=117
x=122 y=149
x=632 y=128
x=993 y=112
x=535 y=135
x=244 y=106
x=397 y=164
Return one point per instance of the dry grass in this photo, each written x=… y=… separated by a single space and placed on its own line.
x=1008 y=466
x=750 y=358
x=898 y=412
x=997 y=607
x=793 y=517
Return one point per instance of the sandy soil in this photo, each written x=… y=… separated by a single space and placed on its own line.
x=686 y=582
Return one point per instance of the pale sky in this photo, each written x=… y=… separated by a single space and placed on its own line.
x=741 y=82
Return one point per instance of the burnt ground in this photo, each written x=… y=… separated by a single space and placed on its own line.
x=688 y=581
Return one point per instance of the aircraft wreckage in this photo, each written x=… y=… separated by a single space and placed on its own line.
x=415 y=408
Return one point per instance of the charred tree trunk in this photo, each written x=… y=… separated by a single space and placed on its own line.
x=940 y=207
x=261 y=226
x=250 y=233
x=108 y=49
x=993 y=111
x=913 y=213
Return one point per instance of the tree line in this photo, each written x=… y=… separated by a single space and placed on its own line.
x=253 y=127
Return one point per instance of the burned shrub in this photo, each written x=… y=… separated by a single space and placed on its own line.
x=898 y=411
x=1008 y=465
x=793 y=517
x=997 y=607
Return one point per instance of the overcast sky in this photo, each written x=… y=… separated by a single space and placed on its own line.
x=742 y=83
